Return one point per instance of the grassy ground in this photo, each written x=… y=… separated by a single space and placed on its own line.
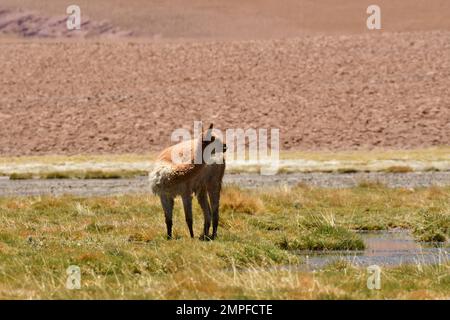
x=431 y=154
x=131 y=165
x=426 y=154
x=119 y=244
x=80 y=174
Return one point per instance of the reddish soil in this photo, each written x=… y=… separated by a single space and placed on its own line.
x=322 y=92
x=249 y=19
x=335 y=91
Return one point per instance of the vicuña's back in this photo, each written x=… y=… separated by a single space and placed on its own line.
x=182 y=170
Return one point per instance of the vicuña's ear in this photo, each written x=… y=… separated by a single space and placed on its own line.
x=209 y=133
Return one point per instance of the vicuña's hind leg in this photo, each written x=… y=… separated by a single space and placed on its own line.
x=187 y=205
x=214 y=198
x=167 y=204
x=202 y=198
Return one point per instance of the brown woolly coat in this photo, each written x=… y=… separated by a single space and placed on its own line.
x=174 y=179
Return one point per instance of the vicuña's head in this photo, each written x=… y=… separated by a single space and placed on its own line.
x=199 y=150
x=213 y=140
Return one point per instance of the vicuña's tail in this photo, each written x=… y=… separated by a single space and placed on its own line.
x=160 y=177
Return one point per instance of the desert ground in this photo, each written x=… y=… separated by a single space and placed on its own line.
x=325 y=91
x=364 y=176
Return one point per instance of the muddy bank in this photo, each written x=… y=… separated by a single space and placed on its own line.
x=95 y=187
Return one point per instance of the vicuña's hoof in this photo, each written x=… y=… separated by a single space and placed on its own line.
x=205 y=237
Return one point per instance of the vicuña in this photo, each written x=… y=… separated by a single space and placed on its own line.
x=200 y=173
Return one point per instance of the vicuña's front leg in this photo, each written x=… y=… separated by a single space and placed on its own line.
x=187 y=205
x=167 y=204
x=214 y=198
x=202 y=198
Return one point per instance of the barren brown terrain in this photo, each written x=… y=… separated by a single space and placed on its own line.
x=249 y=19
x=316 y=73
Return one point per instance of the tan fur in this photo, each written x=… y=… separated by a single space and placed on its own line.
x=169 y=179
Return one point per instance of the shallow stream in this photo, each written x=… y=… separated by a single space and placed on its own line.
x=383 y=248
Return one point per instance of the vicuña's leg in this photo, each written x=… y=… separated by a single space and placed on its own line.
x=214 y=199
x=187 y=204
x=167 y=204
x=202 y=198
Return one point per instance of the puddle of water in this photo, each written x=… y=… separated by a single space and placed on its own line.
x=383 y=249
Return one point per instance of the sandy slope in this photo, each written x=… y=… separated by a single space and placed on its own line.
x=348 y=89
x=250 y=19
x=391 y=90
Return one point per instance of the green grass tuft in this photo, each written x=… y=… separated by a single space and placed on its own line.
x=20 y=176
x=398 y=169
x=320 y=232
x=74 y=174
x=347 y=170
x=432 y=225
